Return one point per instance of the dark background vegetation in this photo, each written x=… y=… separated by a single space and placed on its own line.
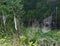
x=29 y=10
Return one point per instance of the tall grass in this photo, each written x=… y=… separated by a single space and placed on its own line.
x=32 y=36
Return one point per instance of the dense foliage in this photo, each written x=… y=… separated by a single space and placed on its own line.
x=26 y=11
x=41 y=9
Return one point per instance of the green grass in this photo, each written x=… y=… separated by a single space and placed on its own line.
x=30 y=37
